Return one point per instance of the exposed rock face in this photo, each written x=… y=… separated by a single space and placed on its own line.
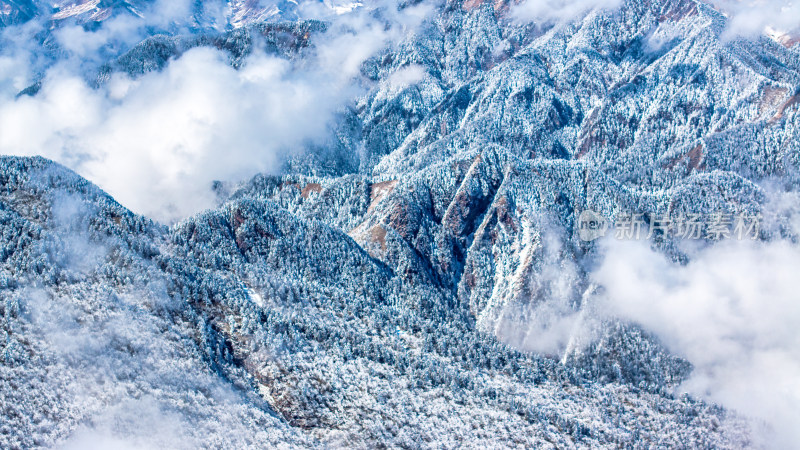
x=379 y=297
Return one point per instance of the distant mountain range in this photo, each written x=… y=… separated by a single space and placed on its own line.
x=233 y=13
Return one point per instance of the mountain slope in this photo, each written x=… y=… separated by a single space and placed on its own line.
x=418 y=280
x=307 y=327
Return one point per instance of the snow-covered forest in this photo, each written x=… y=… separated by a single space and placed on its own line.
x=259 y=224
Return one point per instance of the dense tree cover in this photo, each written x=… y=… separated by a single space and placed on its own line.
x=355 y=300
x=306 y=325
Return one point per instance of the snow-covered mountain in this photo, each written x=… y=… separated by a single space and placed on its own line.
x=418 y=280
x=235 y=13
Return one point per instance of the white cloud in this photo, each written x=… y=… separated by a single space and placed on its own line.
x=547 y=11
x=405 y=76
x=548 y=321
x=750 y=18
x=732 y=311
x=134 y=424
x=156 y=143
x=19 y=59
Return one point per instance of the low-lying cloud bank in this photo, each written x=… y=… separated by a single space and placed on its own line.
x=751 y=18
x=732 y=311
x=157 y=143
